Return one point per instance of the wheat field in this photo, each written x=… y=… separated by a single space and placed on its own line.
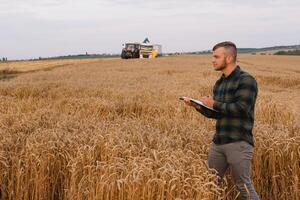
x=115 y=129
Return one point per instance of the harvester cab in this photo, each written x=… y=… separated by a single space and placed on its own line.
x=131 y=50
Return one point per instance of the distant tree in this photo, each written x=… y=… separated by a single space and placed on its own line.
x=289 y=52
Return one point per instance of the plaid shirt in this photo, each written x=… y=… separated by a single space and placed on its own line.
x=234 y=98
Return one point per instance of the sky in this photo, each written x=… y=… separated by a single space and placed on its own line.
x=44 y=28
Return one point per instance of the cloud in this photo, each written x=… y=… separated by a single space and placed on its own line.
x=51 y=27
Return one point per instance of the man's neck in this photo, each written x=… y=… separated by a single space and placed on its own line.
x=229 y=69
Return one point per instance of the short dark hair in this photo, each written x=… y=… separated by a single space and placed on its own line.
x=228 y=46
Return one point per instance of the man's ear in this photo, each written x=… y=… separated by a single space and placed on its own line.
x=229 y=59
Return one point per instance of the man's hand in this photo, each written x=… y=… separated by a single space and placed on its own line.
x=189 y=103
x=208 y=101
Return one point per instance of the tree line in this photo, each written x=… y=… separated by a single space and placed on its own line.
x=289 y=52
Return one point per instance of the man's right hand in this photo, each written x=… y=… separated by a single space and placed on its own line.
x=188 y=102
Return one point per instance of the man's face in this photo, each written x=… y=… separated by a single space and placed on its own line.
x=219 y=59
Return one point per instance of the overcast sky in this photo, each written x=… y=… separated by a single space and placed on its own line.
x=33 y=28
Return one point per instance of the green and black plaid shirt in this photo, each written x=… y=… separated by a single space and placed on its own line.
x=235 y=98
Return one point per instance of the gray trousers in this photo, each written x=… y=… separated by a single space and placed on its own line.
x=238 y=156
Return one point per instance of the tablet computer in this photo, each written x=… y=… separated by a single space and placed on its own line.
x=200 y=103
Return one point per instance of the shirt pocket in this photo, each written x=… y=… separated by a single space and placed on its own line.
x=230 y=92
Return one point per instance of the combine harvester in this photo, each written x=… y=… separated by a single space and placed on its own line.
x=141 y=50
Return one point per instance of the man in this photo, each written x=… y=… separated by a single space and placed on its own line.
x=234 y=96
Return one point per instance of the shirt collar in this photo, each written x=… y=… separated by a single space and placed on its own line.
x=234 y=73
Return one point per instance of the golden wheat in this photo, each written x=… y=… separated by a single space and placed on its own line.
x=114 y=129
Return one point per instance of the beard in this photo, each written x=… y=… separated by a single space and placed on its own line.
x=222 y=66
